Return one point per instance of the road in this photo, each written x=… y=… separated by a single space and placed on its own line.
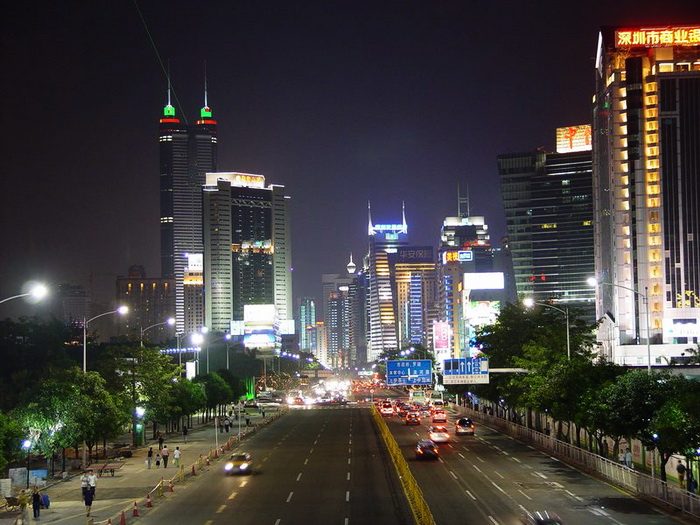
x=492 y=478
x=314 y=465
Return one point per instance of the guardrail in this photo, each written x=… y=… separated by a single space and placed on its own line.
x=620 y=475
x=414 y=495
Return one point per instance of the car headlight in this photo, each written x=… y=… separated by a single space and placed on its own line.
x=228 y=466
x=243 y=466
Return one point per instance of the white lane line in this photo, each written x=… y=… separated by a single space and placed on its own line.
x=347 y=495
x=220 y=509
x=306 y=461
x=541 y=475
x=316 y=442
x=528 y=497
x=233 y=495
x=453 y=474
x=311 y=451
x=279 y=520
x=498 y=474
x=493 y=520
x=348 y=461
x=441 y=460
x=299 y=476
x=349 y=451
x=465 y=448
x=477 y=457
x=460 y=455
x=243 y=483
x=449 y=445
x=350 y=442
x=471 y=495
x=515 y=459
x=348 y=478
x=289 y=498
x=347 y=520
x=499 y=488
x=531 y=447
x=476 y=468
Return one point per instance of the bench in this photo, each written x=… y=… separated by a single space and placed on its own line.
x=109 y=467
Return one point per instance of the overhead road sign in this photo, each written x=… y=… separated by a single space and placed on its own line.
x=409 y=372
x=465 y=371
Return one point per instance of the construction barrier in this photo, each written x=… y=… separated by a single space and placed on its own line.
x=414 y=495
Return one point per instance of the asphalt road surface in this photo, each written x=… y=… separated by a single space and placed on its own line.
x=491 y=478
x=315 y=465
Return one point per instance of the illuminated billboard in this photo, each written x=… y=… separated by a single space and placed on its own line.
x=484 y=281
x=242 y=180
x=259 y=313
x=441 y=335
x=574 y=138
x=457 y=256
x=658 y=37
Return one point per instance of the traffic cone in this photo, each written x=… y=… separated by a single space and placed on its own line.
x=193 y=471
x=208 y=462
x=109 y=521
x=170 y=484
x=122 y=521
x=135 y=513
x=149 y=503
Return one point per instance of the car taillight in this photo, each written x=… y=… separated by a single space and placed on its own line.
x=420 y=450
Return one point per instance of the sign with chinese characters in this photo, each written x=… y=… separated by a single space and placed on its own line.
x=658 y=37
x=441 y=335
x=457 y=256
x=417 y=254
x=574 y=138
x=465 y=371
x=409 y=372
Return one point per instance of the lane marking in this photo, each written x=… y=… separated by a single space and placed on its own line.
x=465 y=448
x=499 y=488
x=347 y=520
x=299 y=476
x=348 y=478
x=498 y=474
x=515 y=459
x=493 y=520
x=453 y=474
x=311 y=451
x=243 y=483
x=347 y=495
x=279 y=520
x=233 y=495
x=264 y=459
x=528 y=497
x=316 y=442
x=220 y=509
x=306 y=461
x=476 y=468
x=348 y=461
x=460 y=455
x=471 y=495
x=349 y=451
x=477 y=457
x=541 y=475
x=289 y=498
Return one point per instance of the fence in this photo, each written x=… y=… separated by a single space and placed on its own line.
x=622 y=476
x=414 y=495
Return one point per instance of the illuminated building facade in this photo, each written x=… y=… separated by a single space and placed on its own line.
x=358 y=318
x=384 y=241
x=246 y=241
x=187 y=153
x=306 y=318
x=646 y=139
x=75 y=304
x=150 y=301
x=548 y=200
x=415 y=282
x=336 y=312
x=194 y=293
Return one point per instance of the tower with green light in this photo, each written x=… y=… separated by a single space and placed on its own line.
x=187 y=153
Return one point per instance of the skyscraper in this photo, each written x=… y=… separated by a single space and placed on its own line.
x=415 y=280
x=646 y=143
x=548 y=200
x=337 y=316
x=306 y=317
x=187 y=153
x=384 y=241
x=246 y=242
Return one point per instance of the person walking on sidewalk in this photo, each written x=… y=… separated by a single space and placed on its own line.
x=23 y=500
x=680 y=469
x=176 y=457
x=36 y=502
x=160 y=440
x=149 y=456
x=184 y=432
x=157 y=460
x=84 y=484
x=88 y=501
x=92 y=482
x=164 y=454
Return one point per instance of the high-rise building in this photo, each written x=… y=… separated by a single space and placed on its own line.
x=306 y=317
x=548 y=200
x=415 y=279
x=646 y=144
x=246 y=242
x=74 y=304
x=358 y=314
x=150 y=300
x=384 y=241
x=187 y=153
x=336 y=315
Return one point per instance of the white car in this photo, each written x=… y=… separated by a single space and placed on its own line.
x=386 y=409
x=438 y=434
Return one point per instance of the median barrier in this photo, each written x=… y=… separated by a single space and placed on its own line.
x=414 y=495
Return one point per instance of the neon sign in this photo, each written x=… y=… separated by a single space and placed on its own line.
x=574 y=138
x=388 y=227
x=665 y=37
x=458 y=256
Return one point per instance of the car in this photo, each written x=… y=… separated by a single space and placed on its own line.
x=298 y=401
x=413 y=418
x=402 y=410
x=439 y=416
x=426 y=449
x=438 y=434
x=386 y=409
x=542 y=517
x=239 y=463
x=464 y=426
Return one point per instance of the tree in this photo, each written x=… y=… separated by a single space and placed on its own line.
x=10 y=440
x=216 y=389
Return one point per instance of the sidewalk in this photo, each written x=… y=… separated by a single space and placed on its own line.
x=133 y=481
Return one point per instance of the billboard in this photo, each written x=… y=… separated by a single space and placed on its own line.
x=457 y=256
x=441 y=335
x=658 y=37
x=484 y=281
x=417 y=254
x=574 y=138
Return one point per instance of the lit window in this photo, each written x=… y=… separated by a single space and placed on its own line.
x=665 y=67
x=654 y=202
x=653 y=228
x=651 y=113
x=625 y=230
x=653 y=176
x=653 y=164
x=651 y=100
x=623 y=130
x=652 y=125
x=652 y=151
x=653 y=189
x=652 y=138
x=587 y=223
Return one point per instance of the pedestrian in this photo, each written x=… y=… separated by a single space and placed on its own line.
x=263 y=413
x=628 y=458
x=227 y=424
x=621 y=457
x=84 y=484
x=176 y=457
x=164 y=454
x=23 y=500
x=184 y=432
x=88 y=501
x=680 y=469
x=160 y=440
x=150 y=456
x=36 y=502
x=92 y=482
x=247 y=421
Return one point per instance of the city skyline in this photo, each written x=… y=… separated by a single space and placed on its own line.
x=341 y=104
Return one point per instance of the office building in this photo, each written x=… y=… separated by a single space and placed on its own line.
x=306 y=317
x=187 y=153
x=548 y=200
x=358 y=314
x=74 y=304
x=336 y=316
x=247 y=248
x=646 y=146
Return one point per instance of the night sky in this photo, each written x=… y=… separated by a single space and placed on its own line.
x=341 y=102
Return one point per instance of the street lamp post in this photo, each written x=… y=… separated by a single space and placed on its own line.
x=37 y=292
x=592 y=281
x=27 y=445
x=170 y=321
x=529 y=302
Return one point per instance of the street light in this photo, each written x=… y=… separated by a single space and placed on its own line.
x=170 y=322
x=27 y=445
x=592 y=281
x=197 y=340
x=529 y=302
x=122 y=310
x=36 y=292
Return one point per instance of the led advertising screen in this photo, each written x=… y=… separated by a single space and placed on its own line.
x=484 y=281
x=574 y=138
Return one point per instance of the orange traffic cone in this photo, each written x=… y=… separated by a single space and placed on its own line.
x=122 y=521
x=208 y=462
x=136 y=510
x=170 y=484
x=149 y=503
x=194 y=473
x=109 y=521
x=216 y=452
